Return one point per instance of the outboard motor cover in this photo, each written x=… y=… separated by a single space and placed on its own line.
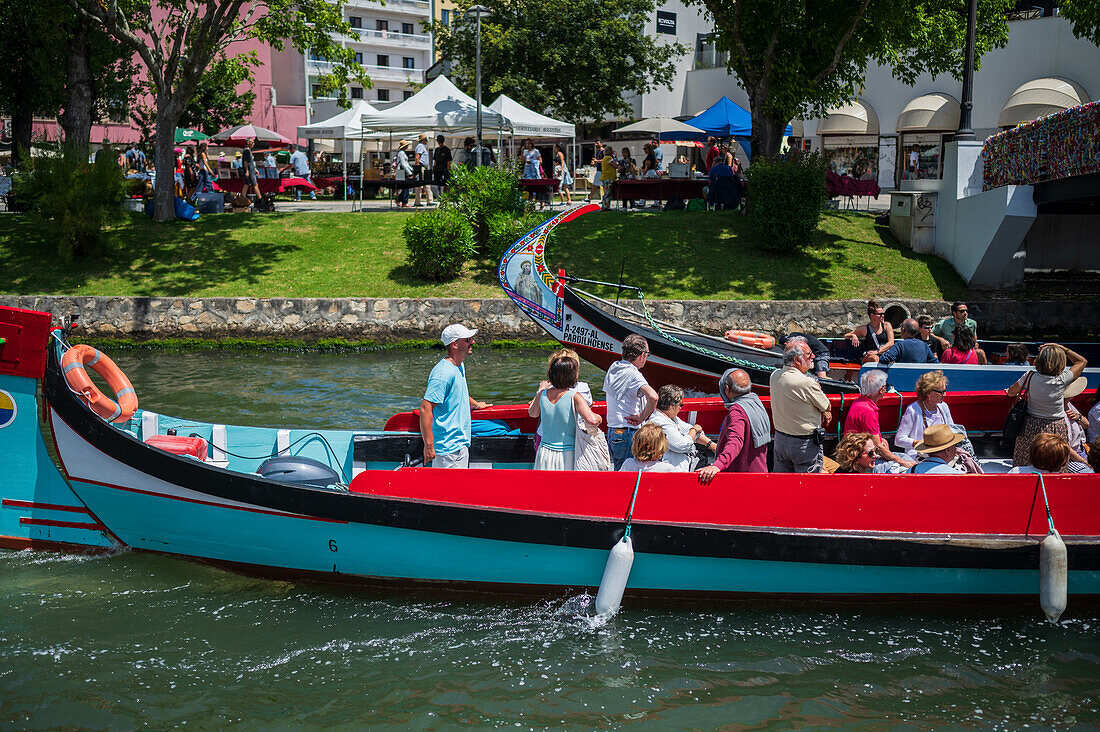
x=299 y=470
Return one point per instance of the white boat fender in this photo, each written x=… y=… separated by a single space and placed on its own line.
x=1053 y=568
x=615 y=574
x=617 y=570
x=1053 y=576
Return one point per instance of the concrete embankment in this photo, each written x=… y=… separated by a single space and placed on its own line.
x=390 y=320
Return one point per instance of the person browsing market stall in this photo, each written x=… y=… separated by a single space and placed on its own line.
x=445 y=408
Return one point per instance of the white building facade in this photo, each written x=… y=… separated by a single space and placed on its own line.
x=895 y=133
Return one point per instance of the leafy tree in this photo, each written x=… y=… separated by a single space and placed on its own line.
x=798 y=59
x=57 y=60
x=34 y=48
x=217 y=104
x=1085 y=17
x=572 y=59
x=177 y=40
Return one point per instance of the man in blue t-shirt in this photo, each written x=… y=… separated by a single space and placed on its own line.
x=445 y=409
x=911 y=348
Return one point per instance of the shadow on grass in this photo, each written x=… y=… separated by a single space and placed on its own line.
x=950 y=283
x=172 y=259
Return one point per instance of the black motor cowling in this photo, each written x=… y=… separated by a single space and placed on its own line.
x=299 y=470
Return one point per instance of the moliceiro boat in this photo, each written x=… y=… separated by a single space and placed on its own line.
x=595 y=327
x=348 y=506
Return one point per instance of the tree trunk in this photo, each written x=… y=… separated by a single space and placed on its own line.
x=76 y=120
x=22 y=123
x=767 y=131
x=164 y=159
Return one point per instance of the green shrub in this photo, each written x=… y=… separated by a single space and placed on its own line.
x=479 y=193
x=506 y=228
x=76 y=199
x=440 y=242
x=785 y=198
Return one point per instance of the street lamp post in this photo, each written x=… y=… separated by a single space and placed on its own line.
x=477 y=11
x=965 y=131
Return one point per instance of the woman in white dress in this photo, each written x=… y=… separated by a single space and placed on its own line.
x=557 y=405
x=928 y=410
x=682 y=437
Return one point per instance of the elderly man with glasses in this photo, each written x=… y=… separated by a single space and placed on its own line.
x=863 y=415
x=799 y=408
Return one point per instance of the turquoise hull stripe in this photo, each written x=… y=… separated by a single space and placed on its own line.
x=29 y=476
x=216 y=533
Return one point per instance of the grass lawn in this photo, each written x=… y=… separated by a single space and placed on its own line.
x=673 y=255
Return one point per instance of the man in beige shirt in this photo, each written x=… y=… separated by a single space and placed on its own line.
x=799 y=408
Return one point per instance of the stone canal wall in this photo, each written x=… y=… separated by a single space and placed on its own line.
x=396 y=319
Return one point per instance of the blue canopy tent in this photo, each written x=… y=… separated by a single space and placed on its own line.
x=725 y=118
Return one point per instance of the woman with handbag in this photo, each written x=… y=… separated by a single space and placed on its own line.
x=1056 y=368
x=556 y=405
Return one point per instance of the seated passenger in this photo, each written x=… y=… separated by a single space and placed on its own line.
x=940 y=444
x=936 y=344
x=964 y=349
x=819 y=349
x=1093 y=429
x=745 y=432
x=648 y=449
x=1094 y=455
x=910 y=349
x=863 y=415
x=873 y=338
x=1049 y=453
x=928 y=410
x=945 y=329
x=682 y=437
x=1076 y=425
x=1016 y=355
x=855 y=453
x=557 y=407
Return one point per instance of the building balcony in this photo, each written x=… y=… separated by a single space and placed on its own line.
x=391 y=39
x=394 y=73
x=420 y=7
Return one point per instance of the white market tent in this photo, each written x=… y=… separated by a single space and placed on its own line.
x=346 y=125
x=439 y=106
x=529 y=123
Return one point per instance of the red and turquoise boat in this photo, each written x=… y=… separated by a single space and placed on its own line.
x=347 y=506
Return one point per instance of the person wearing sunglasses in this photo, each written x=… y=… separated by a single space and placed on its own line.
x=910 y=349
x=855 y=453
x=928 y=410
x=945 y=329
x=873 y=338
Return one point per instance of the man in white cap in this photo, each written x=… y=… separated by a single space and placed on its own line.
x=445 y=409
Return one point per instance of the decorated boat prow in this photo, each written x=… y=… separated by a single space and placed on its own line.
x=595 y=327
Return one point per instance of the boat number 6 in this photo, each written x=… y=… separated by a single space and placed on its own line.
x=332 y=545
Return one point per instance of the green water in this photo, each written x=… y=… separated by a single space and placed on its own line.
x=134 y=640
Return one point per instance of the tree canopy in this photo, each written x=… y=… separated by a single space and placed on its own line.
x=1084 y=15
x=178 y=39
x=570 y=59
x=798 y=59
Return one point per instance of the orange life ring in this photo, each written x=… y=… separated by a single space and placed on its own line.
x=750 y=338
x=73 y=363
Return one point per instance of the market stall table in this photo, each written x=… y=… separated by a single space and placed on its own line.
x=657 y=189
x=267 y=186
x=549 y=186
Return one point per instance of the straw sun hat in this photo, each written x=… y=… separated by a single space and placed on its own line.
x=1079 y=385
x=402 y=145
x=937 y=437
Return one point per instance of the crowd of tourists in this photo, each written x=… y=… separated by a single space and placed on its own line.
x=645 y=432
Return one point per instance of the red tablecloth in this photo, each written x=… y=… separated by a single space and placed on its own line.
x=842 y=185
x=267 y=185
x=540 y=183
x=657 y=189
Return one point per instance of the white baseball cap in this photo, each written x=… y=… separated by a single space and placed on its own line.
x=454 y=331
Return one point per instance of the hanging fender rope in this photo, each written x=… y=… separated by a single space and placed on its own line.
x=633 y=498
x=1050 y=518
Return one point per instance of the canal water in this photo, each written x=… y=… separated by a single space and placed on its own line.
x=134 y=640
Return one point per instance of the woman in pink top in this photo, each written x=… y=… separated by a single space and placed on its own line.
x=964 y=349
